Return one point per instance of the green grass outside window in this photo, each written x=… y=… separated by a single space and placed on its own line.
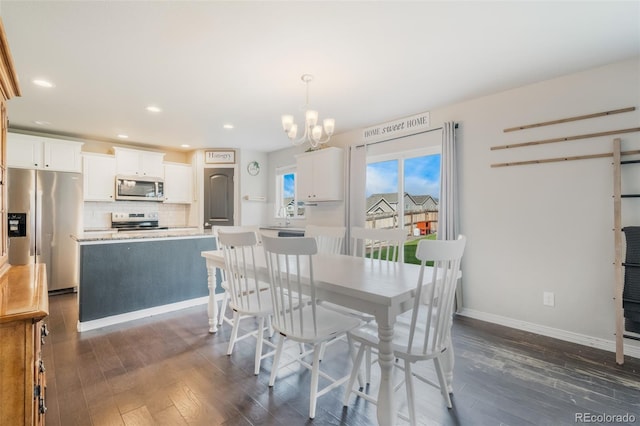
x=410 y=248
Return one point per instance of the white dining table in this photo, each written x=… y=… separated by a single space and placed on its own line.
x=381 y=288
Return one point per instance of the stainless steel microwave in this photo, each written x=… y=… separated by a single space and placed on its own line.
x=139 y=188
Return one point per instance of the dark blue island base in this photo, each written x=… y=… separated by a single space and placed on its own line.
x=128 y=279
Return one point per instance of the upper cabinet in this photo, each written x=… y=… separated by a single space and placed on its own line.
x=133 y=162
x=98 y=172
x=36 y=152
x=320 y=175
x=178 y=183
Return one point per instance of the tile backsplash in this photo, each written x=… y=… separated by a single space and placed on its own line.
x=97 y=215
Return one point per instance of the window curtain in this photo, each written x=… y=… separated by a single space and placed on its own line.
x=448 y=211
x=448 y=218
x=356 y=191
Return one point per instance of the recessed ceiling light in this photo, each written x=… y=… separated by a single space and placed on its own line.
x=42 y=83
x=185 y=145
x=123 y=136
x=42 y=122
x=153 y=108
x=228 y=126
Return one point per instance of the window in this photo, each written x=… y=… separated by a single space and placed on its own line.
x=382 y=194
x=403 y=190
x=286 y=202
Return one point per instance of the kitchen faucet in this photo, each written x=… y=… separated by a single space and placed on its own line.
x=282 y=212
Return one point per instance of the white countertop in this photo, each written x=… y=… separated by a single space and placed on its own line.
x=106 y=235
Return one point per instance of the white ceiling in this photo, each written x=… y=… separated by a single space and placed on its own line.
x=209 y=63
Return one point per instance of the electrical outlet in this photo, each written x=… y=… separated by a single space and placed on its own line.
x=548 y=299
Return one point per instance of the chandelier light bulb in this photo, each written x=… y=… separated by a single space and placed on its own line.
x=311 y=118
x=313 y=132
x=316 y=133
x=293 y=131
x=329 y=125
x=287 y=122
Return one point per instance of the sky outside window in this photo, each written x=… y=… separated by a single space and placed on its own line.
x=382 y=177
x=289 y=187
x=421 y=176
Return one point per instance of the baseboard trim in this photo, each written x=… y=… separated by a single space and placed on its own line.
x=568 y=336
x=143 y=313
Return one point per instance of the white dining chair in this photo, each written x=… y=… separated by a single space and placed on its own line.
x=423 y=333
x=381 y=244
x=248 y=296
x=330 y=239
x=296 y=314
x=222 y=312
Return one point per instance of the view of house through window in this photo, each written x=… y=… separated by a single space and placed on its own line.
x=286 y=205
x=403 y=192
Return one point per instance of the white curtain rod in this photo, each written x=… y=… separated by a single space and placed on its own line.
x=401 y=137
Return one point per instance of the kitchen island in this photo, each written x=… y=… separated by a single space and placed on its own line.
x=130 y=275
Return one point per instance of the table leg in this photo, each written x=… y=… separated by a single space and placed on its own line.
x=386 y=406
x=212 y=308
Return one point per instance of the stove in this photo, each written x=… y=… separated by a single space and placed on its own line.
x=135 y=221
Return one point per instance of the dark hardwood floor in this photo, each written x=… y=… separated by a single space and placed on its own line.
x=168 y=370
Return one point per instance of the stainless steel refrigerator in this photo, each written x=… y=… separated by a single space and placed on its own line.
x=44 y=210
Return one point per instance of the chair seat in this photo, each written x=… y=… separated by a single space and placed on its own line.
x=225 y=301
x=368 y=334
x=251 y=305
x=330 y=324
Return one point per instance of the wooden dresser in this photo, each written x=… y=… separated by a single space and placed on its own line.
x=24 y=303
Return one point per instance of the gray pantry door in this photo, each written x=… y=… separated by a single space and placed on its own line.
x=218 y=197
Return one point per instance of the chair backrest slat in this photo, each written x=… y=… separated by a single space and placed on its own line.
x=329 y=239
x=240 y=266
x=215 y=230
x=381 y=244
x=433 y=304
x=285 y=257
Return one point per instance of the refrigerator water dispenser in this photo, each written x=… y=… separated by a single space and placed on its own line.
x=17 y=225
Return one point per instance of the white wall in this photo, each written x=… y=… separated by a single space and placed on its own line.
x=543 y=227
x=253 y=212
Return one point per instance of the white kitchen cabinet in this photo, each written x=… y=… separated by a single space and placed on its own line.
x=178 y=183
x=36 y=152
x=320 y=175
x=99 y=174
x=133 y=162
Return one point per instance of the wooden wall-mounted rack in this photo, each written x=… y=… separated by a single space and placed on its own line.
x=565 y=139
x=566 y=120
x=560 y=159
x=621 y=332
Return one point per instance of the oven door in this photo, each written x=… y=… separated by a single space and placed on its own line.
x=138 y=188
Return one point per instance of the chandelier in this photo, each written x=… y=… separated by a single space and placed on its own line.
x=314 y=133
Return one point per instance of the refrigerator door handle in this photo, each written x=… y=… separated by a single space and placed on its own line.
x=37 y=241
x=32 y=224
